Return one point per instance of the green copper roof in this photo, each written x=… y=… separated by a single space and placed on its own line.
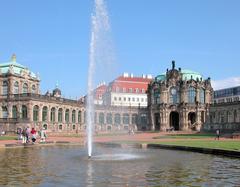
x=16 y=68
x=161 y=77
x=188 y=74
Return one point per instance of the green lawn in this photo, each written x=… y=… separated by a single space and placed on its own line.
x=8 y=138
x=185 y=136
x=213 y=144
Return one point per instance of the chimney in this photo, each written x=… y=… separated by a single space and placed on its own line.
x=125 y=74
x=131 y=75
x=144 y=76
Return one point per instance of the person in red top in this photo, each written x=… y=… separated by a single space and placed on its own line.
x=34 y=135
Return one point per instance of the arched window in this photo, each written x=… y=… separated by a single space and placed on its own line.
x=174 y=95
x=33 y=89
x=101 y=118
x=53 y=111
x=202 y=95
x=60 y=127
x=16 y=88
x=79 y=116
x=117 y=119
x=14 y=111
x=45 y=126
x=74 y=127
x=191 y=94
x=24 y=112
x=60 y=113
x=156 y=96
x=134 y=119
x=74 y=116
x=235 y=116
x=143 y=119
x=109 y=118
x=25 y=88
x=4 y=112
x=5 y=88
x=35 y=113
x=44 y=113
x=125 y=119
x=67 y=116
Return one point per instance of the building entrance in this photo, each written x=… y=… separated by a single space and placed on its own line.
x=174 y=120
x=157 y=121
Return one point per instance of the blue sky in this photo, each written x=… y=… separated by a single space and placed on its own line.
x=52 y=38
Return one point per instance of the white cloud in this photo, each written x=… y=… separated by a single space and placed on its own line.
x=226 y=83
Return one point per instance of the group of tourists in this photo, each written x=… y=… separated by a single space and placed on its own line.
x=28 y=135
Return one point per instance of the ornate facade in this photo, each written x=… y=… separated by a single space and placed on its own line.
x=179 y=100
x=21 y=103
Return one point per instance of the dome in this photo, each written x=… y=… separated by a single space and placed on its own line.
x=161 y=77
x=189 y=74
x=57 y=92
x=15 y=68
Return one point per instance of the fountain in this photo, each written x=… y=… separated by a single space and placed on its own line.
x=99 y=57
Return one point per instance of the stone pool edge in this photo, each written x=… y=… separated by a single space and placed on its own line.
x=218 y=152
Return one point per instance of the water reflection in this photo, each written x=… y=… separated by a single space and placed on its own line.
x=69 y=166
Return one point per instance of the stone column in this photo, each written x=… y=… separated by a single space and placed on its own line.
x=56 y=114
x=30 y=111
x=40 y=113
x=197 y=95
x=9 y=110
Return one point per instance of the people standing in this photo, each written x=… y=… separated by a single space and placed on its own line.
x=24 y=136
x=34 y=135
x=43 y=135
x=217 y=134
x=19 y=133
x=28 y=133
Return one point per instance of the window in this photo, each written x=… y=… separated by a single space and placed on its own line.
x=130 y=90
x=133 y=99
x=74 y=116
x=25 y=88
x=79 y=116
x=137 y=90
x=142 y=100
x=124 y=90
x=45 y=126
x=24 y=112
x=124 y=99
x=143 y=119
x=174 y=96
x=60 y=127
x=143 y=91
x=117 y=119
x=53 y=111
x=156 y=94
x=67 y=116
x=125 y=119
x=16 y=88
x=5 y=88
x=35 y=113
x=33 y=89
x=44 y=113
x=60 y=112
x=134 y=119
x=14 y=111
x=119 y=98
x=191 y=95
x=101 y=118
x=117 y=89
x=109 y=118
x=137 y=99
x=115 y=98
x=129 y=99
x=202 y=95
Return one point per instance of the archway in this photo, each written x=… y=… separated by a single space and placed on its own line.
x=191 y=118
x=174 y=120
x=157 y=121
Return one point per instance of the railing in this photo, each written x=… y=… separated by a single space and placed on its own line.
x=14 y=120
x=42 y=97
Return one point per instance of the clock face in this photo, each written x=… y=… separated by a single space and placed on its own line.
x=173 y=91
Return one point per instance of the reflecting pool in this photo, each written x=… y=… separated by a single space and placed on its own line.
x=69 y=166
